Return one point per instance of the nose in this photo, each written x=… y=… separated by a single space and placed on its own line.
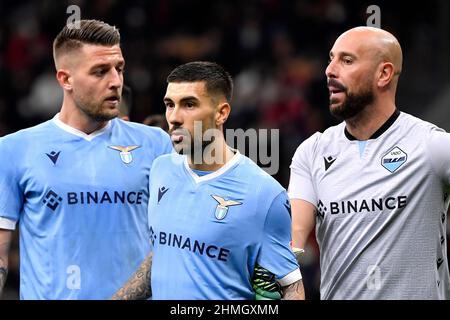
x=173 y=116
x=331 y=71
x=116 y=79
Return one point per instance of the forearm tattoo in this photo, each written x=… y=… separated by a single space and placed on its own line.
x=294 y=291
x=138 y=286
x=3 y=274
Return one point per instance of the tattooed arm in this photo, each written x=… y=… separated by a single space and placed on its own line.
x=294 y=291
x=5 y=240
x=138 y=286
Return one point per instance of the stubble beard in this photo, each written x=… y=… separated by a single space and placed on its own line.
x=94 y=111
x=353 y=104
x=194 y=144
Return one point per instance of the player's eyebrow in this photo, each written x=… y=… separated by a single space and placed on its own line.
x=189 y=99
x=107 y=65
x=184 y=99
x=343 y=54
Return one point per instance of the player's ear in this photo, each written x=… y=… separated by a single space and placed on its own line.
x=223 y=111
x=385 y=74
x=64 y=79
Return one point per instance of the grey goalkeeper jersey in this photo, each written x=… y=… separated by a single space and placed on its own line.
x=380 y=209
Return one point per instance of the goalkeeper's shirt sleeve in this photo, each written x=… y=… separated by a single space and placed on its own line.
x=438 y=145
x=301 y=184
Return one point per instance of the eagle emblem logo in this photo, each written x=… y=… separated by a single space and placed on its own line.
x=222 y=207
x=125 y=152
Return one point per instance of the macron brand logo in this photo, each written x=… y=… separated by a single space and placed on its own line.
x=53 y=156
x=328 y=161
x=161 y=192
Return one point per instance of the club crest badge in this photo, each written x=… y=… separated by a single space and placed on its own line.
x=125 y=152
x=395 y=158
x=222 y=207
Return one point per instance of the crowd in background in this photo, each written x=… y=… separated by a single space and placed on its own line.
x=275 y=50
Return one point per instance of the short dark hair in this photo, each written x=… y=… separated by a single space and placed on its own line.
x=89 y=32
x=217 y=79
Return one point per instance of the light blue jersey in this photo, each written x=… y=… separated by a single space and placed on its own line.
x=209 y=231
x=81 y=205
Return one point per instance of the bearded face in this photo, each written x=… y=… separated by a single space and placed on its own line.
x=346 y=104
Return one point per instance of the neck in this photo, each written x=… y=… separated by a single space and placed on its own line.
x=74 y=117
x=214 y=156
x=367 y=122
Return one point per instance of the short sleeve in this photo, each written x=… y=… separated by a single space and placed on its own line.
x=438 y=146
x=11 y=197
x=301 y=183
x=276 y=254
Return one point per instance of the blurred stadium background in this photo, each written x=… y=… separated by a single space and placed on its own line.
x=276 y=50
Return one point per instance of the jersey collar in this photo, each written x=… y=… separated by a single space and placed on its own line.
x=380 y=130
x=197 y=179
x=79 y=133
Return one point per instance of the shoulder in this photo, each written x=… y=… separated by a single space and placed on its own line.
x=139 y=128
x=309 y=144
x=309 y=148
x=318 y=139
x=169 y=160
x=411 y=124
x=249 y=170
x=32 y=135
x=267 y=192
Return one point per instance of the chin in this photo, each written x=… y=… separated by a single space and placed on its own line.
x=338 y=112
x=106 y=116
x=335 y=107
x=112 y=112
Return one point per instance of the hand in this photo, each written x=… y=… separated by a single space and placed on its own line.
x=265 y=285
